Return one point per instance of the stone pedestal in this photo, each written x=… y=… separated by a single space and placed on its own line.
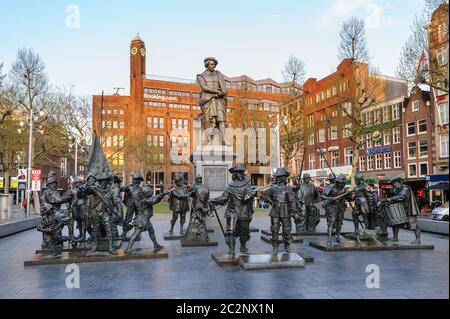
x=71 y=257
x=302 y=233
x=174 y=236
x=225 y=260
x=198 y=243
x=367 y=246
x=269 y=261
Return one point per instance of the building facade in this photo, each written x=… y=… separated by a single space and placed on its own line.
x=151 y=130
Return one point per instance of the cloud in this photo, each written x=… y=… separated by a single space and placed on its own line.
x=273 y=17
x=374 y=18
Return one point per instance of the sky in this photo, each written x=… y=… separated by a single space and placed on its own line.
x=85 y=44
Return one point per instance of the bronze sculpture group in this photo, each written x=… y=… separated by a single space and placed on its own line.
x=95 y=204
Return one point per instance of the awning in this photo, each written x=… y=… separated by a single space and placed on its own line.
x=438 y=186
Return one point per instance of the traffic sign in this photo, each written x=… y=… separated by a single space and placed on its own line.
x=22 y=177
x=35 y=179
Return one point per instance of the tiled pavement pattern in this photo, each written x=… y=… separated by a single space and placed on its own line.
x=191 y=273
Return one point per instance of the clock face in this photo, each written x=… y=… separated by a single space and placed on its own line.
x=143 y=52
x=134 y=51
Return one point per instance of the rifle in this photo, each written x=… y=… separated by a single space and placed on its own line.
x=303 y=161
x=212 y=207
x=321 y=204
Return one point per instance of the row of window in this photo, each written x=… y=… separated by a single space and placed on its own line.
x=113 y=111
x=114 y=141
x=380 y=161
x=155 y=140
x=155 y=122
x=115 y=158
x=113 y=124
x=155 y=104
x=334 y=159
x=413 y=128
x=413 y=146
x=181 y=124
x=382 y=115
x=418 y=168
x=179 y=106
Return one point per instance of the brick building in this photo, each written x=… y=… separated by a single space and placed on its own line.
x=438 y=66
x=151 y=127
x=329 y=127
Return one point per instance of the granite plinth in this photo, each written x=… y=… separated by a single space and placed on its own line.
x=225 y=260
x=269 y=261
x=86 y=257
x=103 y=245
x=367 y=246
x=168 y=236
x=303 y=233
x=268 y=239
x=198 y=243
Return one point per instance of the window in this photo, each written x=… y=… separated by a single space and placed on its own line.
x=161 y=122
x=312 y=161
x=423 y=169
x=174 y=124
x=386 y=137
x=348 y=156
x=378 y=161
x=335 y=158
x=368 y=118
x=411 y=128
x=378 y=144
x=323 y=163
x=155 y=122
x=412 y=170
x=311 y=139
x=178 y=93
x=362 y=163
x=423 y=148
x=161 y=141
x=149 y=121
x=370 y=163
x=348 y=130
x=310 y=120
x=321 y=135
x=154 y=91
x=108 y=141
x=396 y=135
x=396 y=112
x=386 y=114
x=397 y=159
x=347 y=108
x=180 y=124
x=334 y=133
x=412 y=150
x=369 y=141
x=377 y=117
x=443 y=145
x=334 y=114
x=387 y=160
x=121 y=124
x=155 y=104
x=443 y=113
x=415 y=106
x=334 y=90
x=185 y=124
x=362 y=143
x=422 y=125
x=155 y=140
x=442 y=56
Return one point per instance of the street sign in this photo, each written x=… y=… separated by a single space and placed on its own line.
x=35 y=179
x=1 y=182
x=22 y=177
x=13 y=183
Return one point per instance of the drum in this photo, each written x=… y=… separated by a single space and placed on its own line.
x=394 y=214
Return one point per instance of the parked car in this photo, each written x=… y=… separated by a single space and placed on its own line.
x=441 y=213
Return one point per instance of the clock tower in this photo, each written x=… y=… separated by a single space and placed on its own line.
x=137 y=58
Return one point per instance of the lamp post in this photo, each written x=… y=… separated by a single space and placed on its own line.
x=30 y=158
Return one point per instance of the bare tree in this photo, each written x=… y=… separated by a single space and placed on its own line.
x=353 y=43
x=418 y=63
x=290 y=121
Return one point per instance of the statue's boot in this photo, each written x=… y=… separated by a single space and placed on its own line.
x=395 y=231
x=131 y=242
x=330 y=234
x=156 y=245
x=172 y=225
x=243 y=249
x=275 y=249
x=231 y=245
x=287 y=248
x=417 y=241
x=181 y=228
x=339 y=238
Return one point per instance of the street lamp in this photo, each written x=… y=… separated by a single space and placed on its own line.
x=30 y=152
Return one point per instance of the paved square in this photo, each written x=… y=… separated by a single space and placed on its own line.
x=191 y=272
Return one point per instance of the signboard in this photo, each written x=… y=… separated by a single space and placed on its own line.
x=378 y=150
x=376 y=136
x=14 y=183
x=35 y=179
x=1 y=182
x=160 y=97
x=22 y=177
